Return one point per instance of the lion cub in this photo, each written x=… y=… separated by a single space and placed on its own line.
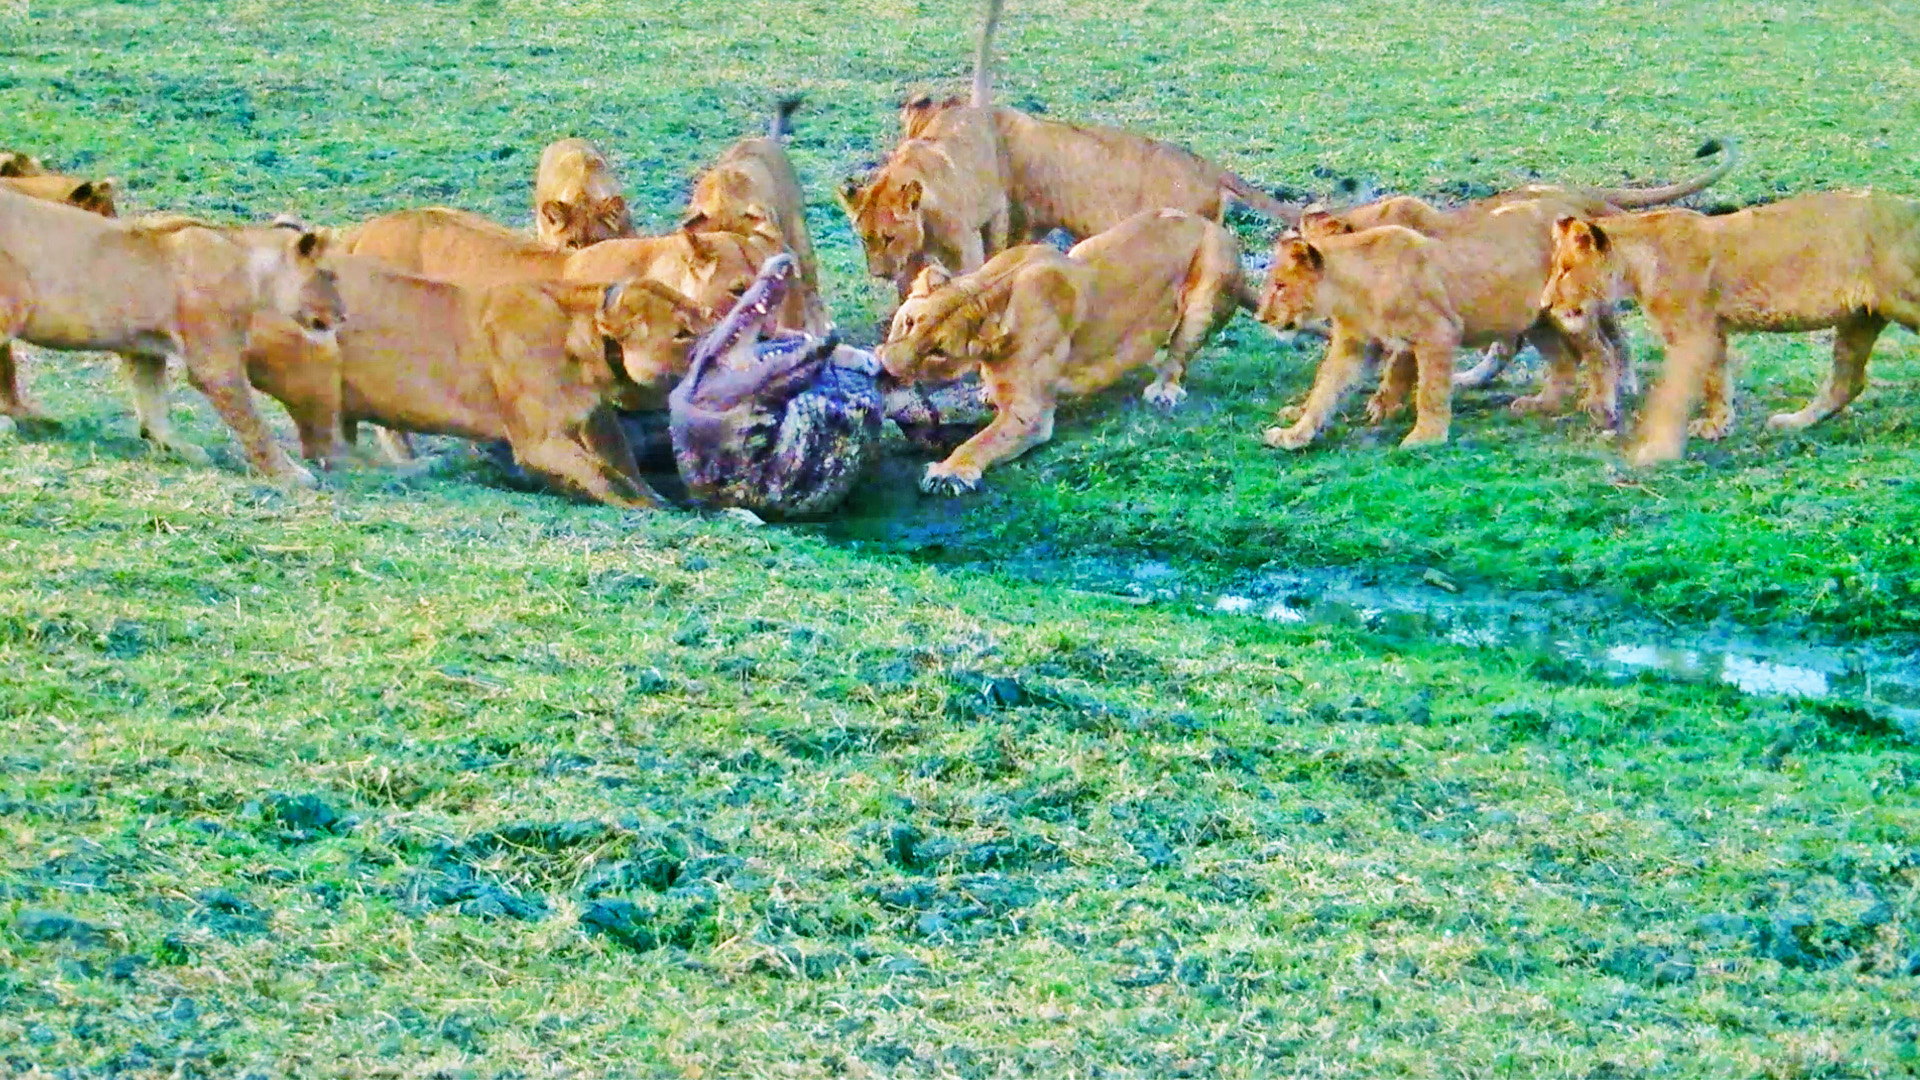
x=752 y=191
x=1847 y=261
x=157 y=288
x=1408 y=293
x=1506 y=251
x=576 y=198
x=1038 y=323
x=523 y=361
x=710 y=269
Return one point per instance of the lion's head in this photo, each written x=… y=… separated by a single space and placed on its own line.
x=1584 y=275
x=653 y=326
x=1292 y=293
x=887 y=217
x=937 y=332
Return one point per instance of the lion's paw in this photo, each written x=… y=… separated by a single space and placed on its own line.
x=1164 y=395
x=1423 y=436
x=1535 y=403
x=941 y=479
x=1711 y=428
x=1789 y=421
x=1649 y=454
x=189 y=453
x=294 y=474
x=1380 y=408
x=1287 y=438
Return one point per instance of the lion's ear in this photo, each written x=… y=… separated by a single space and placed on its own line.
x=1581 y=235
x=1302 y=254
x=910 y=193
x=1319 y=223
x=14 y=163
x=693 y=221
x=930 y=277
x=311 y=245
x=81 y=194
x=850 y=192
x=555 y=213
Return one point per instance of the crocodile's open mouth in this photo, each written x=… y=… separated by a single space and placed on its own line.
x=752 y=314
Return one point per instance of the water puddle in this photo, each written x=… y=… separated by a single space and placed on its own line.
x=1590 y=633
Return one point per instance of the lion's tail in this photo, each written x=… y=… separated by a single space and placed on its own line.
x=983 y=59
x=783 y=116
x=1245 y=192
x=1641 y=198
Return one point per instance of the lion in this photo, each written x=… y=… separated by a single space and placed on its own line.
x=941 y=197
x=752 y=191
x=522 y=361
x=970 y=177
x=93 y=196
x=1423 y=217
x=1038 y=323
x=1411 y=294
x=1506 y=250
x=1086 y=179
x=711 y=269
x=1850 y=261
x=576 y=198
x=76 y=281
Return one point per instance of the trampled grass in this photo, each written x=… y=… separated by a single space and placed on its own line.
x=417 y=777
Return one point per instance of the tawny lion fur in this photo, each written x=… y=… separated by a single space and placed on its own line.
x=1500 y=258
x=1039 y=324
x=1442 y=224
x=970 y=178
x=709 y=269
x=1411 y=294
x=521 y=361
x=93 y=196
x=73 y=280
x=576 y=198
x=1850 y=261
x=941 y=197
x=752 y=191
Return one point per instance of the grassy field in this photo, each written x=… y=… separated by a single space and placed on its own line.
x=428 y=776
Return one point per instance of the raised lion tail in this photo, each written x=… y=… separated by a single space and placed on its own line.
x=1641 y=198
x=983 y=59
x=783 y=111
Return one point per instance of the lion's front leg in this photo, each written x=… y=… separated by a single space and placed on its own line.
x=575 y=467
x=1023 y=419
x=1690 y=354
x=1433 y=397
x=1337 y=371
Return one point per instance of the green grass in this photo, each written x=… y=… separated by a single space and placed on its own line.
x=427 y=777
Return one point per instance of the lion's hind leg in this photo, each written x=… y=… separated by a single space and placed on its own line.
x=14 y=304
x=1852 y=345
x=1208 y=299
